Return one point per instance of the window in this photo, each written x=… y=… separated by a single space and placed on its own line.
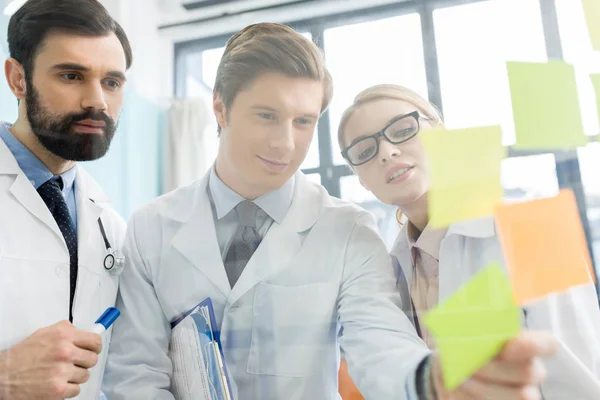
x=194 y=84
x=210 y=63
x=474 y=42
x=529 y=177
x=383 y=51
x=589 y=159
x=577 y=50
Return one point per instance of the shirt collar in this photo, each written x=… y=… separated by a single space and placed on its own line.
x=428 y=241
x=275 y=203
x=32 y=167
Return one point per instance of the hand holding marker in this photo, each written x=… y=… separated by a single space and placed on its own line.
x=106 y=320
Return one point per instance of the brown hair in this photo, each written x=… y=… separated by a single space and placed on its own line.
x=29 y=27
x=269 y=47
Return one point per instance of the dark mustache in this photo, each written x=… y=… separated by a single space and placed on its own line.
x=91 y=115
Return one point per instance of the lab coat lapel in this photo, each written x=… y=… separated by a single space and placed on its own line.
x=91 y=249
x=403 y=265
x=282 y=242
x=24 y=191
x=196 y=239
x=401 y=251
x=90 y=244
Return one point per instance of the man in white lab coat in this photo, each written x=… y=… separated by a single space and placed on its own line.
x=292 y=272
x=67 y=71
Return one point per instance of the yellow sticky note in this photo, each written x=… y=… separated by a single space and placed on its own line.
x=472 y=326
x=596 y=83
x=545 y=106
x=464 y=172
x=544 y=246
x=591 y=9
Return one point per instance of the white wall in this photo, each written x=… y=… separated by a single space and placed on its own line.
x=131 y=172
x=152 y=73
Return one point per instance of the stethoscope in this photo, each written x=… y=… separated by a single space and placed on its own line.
x=114 y=261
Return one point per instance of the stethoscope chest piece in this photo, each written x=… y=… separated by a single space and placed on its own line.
x=114 y=262
x=109 y=262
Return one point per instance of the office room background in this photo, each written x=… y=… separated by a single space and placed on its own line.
x=453 y=52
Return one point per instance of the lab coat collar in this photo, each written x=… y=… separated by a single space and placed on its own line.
x=306 y=206
x=302 y=215
x=480 y=228
x=85 y=184
x=24 y=191
x=8 y=163
x=85 y=191
x=181 y=204
x=275 y=203
x=9 y=166
x=283 y=241
x=196 y=237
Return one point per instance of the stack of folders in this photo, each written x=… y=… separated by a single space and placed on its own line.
x=199 y=370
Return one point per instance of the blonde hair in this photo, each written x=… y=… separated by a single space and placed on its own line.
x=389 y=91
x=269 y=47
x=394 y=92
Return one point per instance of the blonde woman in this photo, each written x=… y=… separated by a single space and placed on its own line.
x=379 y=135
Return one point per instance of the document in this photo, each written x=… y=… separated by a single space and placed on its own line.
x=199 y=370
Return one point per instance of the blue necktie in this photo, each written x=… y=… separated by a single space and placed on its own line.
x=52 y=195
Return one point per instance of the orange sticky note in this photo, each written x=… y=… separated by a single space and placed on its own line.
x=544 y=246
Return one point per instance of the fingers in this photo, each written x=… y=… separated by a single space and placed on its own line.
x=62 y=389
x=79 y=376
x=482 y=390
x=88 y=341
x=70 y=351
x=502 y=372
x=71 y=390
x=83 y=358
x=528 y=345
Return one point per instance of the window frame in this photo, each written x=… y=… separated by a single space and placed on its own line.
x=567 y=162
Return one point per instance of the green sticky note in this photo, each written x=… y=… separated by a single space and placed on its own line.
x=472 y=326
x=545 y=106
x=465 y=171
x=591 y=9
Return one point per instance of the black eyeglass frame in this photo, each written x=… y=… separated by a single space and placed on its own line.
x=415 y=114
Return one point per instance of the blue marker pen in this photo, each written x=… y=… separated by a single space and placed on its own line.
x=106 y=320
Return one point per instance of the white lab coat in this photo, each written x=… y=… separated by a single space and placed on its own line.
x=34 y=261
x=323 y=266
x=572 y=316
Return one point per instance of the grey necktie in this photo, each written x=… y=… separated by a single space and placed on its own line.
x=245 y=241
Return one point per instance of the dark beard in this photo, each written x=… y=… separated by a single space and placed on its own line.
x=56 y=134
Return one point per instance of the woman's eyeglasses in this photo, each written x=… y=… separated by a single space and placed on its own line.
x=399 y=130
